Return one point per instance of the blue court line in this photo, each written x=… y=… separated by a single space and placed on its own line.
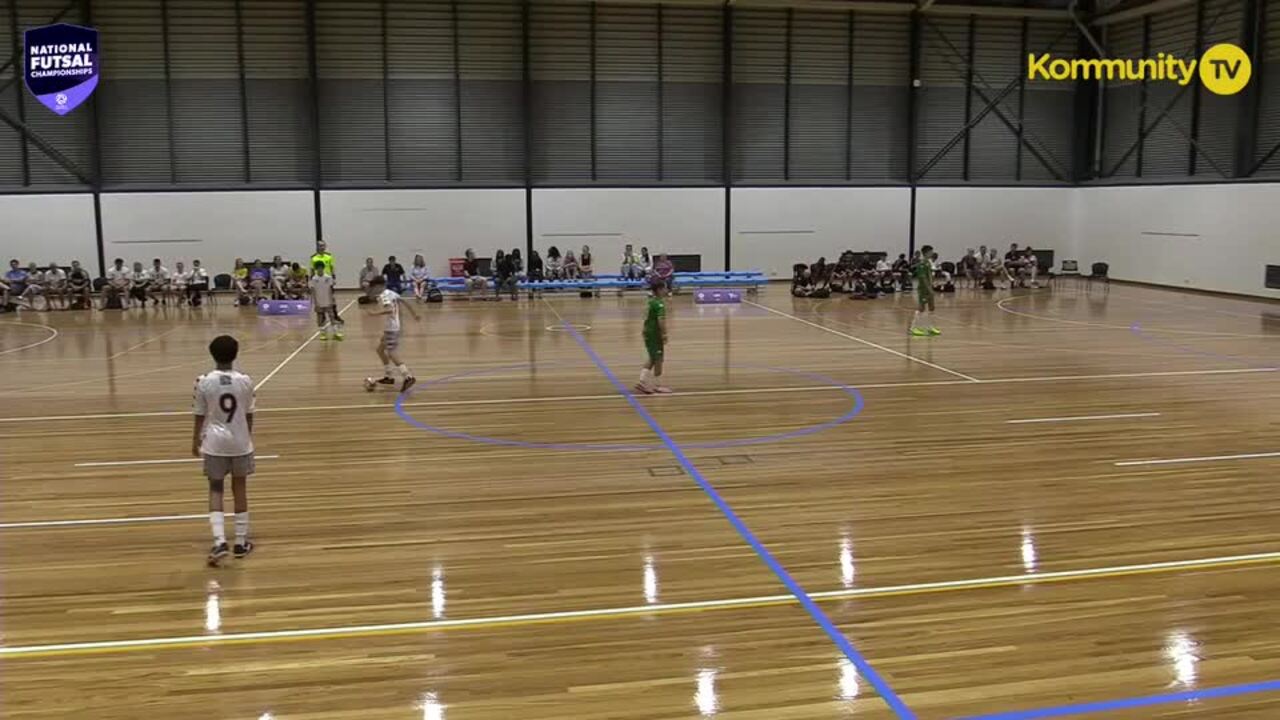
x=1137 y=702
x=864 y=667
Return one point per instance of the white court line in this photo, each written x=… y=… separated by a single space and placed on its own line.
x=34 y=344
x=145 y=342
x=1206 y=458
x=683 y=393
x=301 y=347
x=116 y=463
x=1075 y=418
x=529 y=618
x=864 y=342
x=98 y=521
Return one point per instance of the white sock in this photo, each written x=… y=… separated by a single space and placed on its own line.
x=645 y=375
x=404 y=370
x=242 y=527
x=388 y=370
x=217 y=525
x=915 y=319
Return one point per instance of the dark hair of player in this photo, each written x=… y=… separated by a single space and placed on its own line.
x=224 y=349
x=377 y=281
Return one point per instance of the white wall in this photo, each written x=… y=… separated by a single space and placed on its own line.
x=773 y=228
x=953 y=219
x=215 y=227
x=48 y=228
x=438 y=224
x=1211 y=237
x=687 y=221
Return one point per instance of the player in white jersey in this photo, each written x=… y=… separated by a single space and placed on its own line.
x=223 y=405
x=389 y=304
x=322 y=301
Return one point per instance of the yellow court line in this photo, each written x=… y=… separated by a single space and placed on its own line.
x=510 y=621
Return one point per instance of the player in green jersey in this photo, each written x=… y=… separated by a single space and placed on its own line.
x=922 y=277
x=655 y=340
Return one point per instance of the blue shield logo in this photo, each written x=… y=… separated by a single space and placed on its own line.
x=60 y=65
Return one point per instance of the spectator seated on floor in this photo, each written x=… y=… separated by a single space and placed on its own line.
x=801 y=280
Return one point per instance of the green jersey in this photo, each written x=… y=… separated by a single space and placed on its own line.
x=657 y=311
x=922 y=274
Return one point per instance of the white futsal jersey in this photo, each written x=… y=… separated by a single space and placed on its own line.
x=389 y=299
x=223 y=398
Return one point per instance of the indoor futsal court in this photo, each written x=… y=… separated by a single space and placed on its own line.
x=639 y=359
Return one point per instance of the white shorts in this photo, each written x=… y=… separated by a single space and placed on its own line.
x=217 y=467
x=390 y=339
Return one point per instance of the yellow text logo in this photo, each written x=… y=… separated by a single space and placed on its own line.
x=1223 y=69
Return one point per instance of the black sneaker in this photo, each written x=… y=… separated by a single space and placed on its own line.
x=242 y=551
x=387 y=381
x=217 y=553
x=408 y=383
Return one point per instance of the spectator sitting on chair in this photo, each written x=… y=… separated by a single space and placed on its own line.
x=16 y=279
x=240 y=282
x=471 y=271
x=901 y=271
x=159 y=289
x=517 y=260
x=570 y=267
x=115 y=294
x=584 y=262
x=4 y=296
x=967 y=268
x=34 y=286
x=179 y=281
x=645 y=263
x=419 y=278
x=367 y=274
x=198 y=285
x=299 y=282
x=504 y=275
x=79 y=287
x=665 y=270
x=631 y=267
x=555 y=268
x=535 y=267
x=394 y=273
x=141 y=284
x=259 y=281
x=884 y=273
x=279 y=277
x=55 y=286
x=1030 y=268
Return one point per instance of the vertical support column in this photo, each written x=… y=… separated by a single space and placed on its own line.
x=968 y=100
x=1022 y=98
x=661 y=110
x=528 y=127
x=168 y=92
x=86 y=7
x=1251 y=41
x=244 y=94
x=726 y=126
x=786 y=102
x=1142 y=97
x=21 y=96
x=848 y=101
x=1196 y=92
x=386 y=90
x=457 y=88
x=593 y=91
x=913 y=79
x=313 y=72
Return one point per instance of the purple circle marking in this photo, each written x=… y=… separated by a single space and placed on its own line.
x=850 y=414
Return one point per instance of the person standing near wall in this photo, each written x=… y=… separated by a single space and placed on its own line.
x=322 y=256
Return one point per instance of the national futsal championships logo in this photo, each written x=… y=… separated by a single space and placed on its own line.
x=60 y=65
x=1224 y=69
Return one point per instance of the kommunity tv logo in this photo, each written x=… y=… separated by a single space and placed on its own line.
x=1223 y=69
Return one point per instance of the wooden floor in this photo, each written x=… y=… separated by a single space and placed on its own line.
x=1069 y=497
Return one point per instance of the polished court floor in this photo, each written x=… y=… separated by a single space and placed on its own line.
x=1067 y=499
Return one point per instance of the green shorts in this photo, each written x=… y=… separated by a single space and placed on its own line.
x=653 y=344
x=924 y=294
